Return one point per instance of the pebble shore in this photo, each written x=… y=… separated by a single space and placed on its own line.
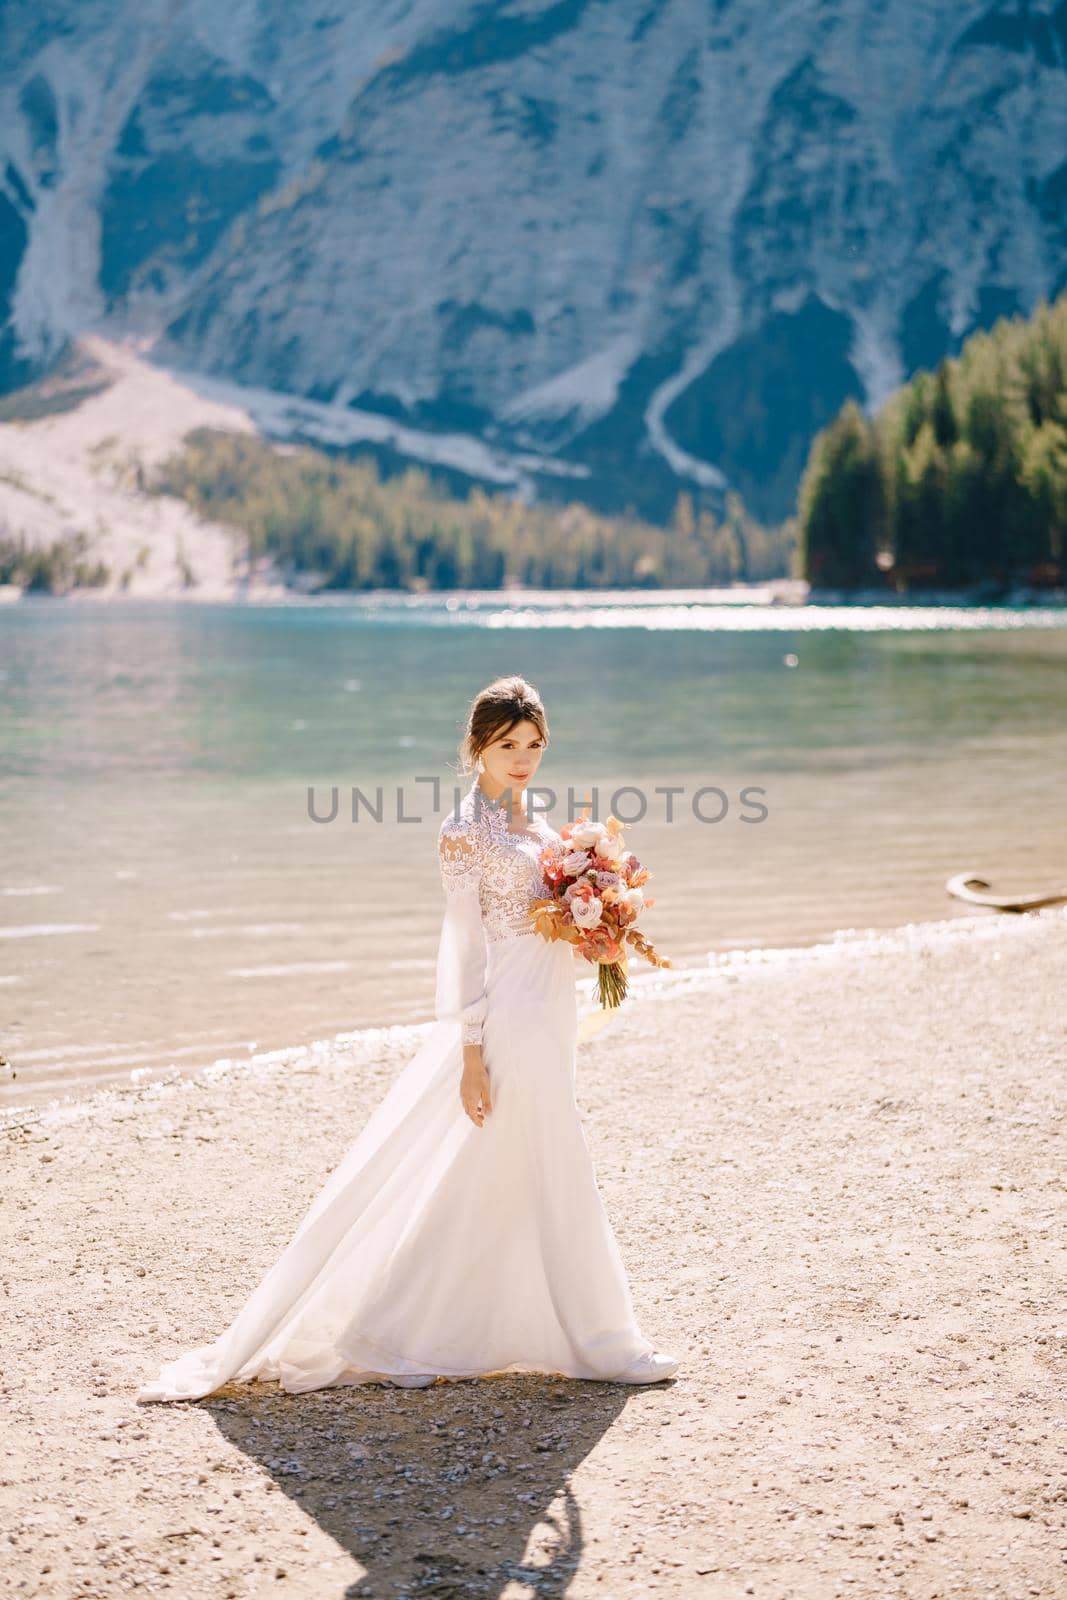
x=837 y=1182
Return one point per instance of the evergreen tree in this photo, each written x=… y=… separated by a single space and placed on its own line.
x=842 y=505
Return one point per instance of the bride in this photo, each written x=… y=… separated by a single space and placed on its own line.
x=462 y=1234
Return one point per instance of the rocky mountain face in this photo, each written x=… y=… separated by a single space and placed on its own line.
x=621 y=246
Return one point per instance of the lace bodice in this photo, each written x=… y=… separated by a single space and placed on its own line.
x=477 y=847
x=490 y=875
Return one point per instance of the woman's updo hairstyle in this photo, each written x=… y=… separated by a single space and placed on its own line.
x=494 y=711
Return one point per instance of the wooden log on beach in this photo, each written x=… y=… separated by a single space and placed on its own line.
x=968 y=886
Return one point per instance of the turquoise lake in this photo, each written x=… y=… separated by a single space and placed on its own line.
x=166 y=899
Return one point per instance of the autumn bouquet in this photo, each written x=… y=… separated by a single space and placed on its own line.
x=596 y=896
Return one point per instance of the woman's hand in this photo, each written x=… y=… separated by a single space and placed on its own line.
x=474 y=1085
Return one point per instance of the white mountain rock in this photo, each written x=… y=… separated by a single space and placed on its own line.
x=621 y=246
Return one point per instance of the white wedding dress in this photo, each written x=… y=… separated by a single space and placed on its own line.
x=436 y=1246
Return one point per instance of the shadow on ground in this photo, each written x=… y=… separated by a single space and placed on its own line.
x=454 y=1490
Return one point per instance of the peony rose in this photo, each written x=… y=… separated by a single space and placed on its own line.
x=586 y=911
x=576 y=861
x=586 y=833
x=610 y=847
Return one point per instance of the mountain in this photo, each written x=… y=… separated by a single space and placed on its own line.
x=614 y=248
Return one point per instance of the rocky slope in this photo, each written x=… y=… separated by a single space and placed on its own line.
x=645 y=243
x=82 y=472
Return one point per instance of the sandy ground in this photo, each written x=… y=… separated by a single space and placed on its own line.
x=81 y=472
x=838 y=1184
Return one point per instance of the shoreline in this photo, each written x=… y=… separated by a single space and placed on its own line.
x=646 y=984
x=836 y=1184
x=777 y=593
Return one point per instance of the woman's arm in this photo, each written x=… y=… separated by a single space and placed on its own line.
x=461 y=960
x=461 y=956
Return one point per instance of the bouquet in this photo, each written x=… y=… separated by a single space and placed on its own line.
x=596 y=896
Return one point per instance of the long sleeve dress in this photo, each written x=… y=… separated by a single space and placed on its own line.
x=436 y=1246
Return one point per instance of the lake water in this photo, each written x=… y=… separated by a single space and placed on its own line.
x=166 y=899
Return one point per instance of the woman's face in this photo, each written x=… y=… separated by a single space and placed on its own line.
x=513 y=758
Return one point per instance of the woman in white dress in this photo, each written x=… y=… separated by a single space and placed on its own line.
x=462 y=1234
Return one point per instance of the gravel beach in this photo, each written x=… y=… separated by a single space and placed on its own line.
x=837 y=1180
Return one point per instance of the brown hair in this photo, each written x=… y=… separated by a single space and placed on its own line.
x=498 y=707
